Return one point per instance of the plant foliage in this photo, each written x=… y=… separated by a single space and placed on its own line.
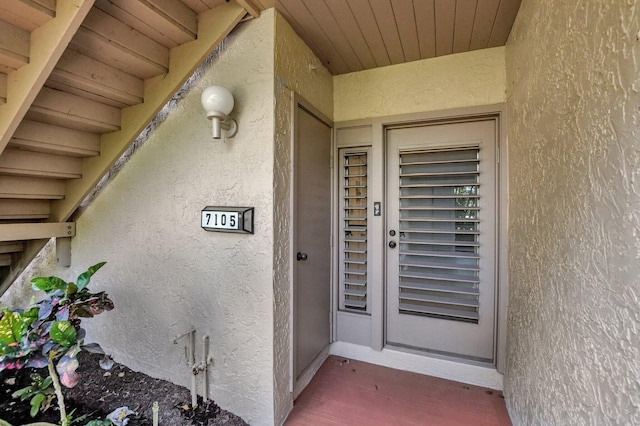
x=48 y=334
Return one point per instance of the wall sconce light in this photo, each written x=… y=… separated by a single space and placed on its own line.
x=218 y=103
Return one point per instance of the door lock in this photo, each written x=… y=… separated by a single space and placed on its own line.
x=302 y=256
x=392 y=244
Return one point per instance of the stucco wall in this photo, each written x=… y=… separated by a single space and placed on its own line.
x=298 y=70
x=166 y=274
x=453 y=81
x=573 y=73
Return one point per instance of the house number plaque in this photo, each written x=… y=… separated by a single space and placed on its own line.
x=227 y=219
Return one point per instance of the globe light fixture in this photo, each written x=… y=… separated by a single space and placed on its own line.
x=217 y=102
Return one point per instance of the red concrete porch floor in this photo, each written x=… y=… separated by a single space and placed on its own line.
x=348 y=392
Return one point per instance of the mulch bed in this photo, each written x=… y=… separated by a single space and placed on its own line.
x=99 y=392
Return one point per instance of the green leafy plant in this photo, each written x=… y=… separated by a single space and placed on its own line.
x=48 y=334
x=40 y=392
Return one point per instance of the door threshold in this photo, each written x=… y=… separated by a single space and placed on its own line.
x=424 y=363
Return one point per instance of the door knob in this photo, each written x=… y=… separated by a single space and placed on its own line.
x=392 y=244
x=301 y=256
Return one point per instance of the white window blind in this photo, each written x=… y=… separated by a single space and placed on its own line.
x=353 y=231
x=439 y=229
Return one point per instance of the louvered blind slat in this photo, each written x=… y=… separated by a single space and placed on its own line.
x=439 y=230
x=353 y=256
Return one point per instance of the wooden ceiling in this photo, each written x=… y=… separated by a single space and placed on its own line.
x=355 y=35
x=79 y=81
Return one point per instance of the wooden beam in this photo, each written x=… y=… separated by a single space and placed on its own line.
x=214 y=26
x=36 y=231
x=90 y=76
x=5 y=259
x=24 y=209
x=73 y=111
x=14 y=46
x=42 y=137
x=47 y=44
x=17 y=162
x=29 y=188
x=250 y=7
x=11 y=247
x=26 y=14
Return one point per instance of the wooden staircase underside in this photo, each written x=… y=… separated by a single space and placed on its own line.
x=79 y=81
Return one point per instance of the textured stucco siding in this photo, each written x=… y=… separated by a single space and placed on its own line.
x=298 y=70
x=447 y=82
x=164 y=272
x=573 y=70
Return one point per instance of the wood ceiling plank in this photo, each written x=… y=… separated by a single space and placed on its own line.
x=407 y=29
x=425 y=19
x=160 y=21
x=383 y=13
x=297 y=11
x=445 y=15
x=485 y=17
x=126 y=37
x=135 y=21
x=305 y=37
x=369 y=28
x=91 y=76
x=463 y=27
x=327 y=21
x=24 y=210
x=42 y=137
x=504 y=21
x=47 y=44
x=25 y=14
x=68 y=110
x=29 y=188
x=349 y=26
x=101 y=49
x=198 y=6
x=214 y=26
x=16 y=162
x=177 y=13
x=14 y=45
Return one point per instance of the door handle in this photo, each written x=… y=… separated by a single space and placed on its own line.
x=301 y=256
x=392 y=244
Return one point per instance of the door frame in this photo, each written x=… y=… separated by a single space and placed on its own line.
x=371 y=132
x=297 y=385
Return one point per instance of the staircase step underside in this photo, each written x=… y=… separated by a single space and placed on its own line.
x=42 y=137
x=29 y=188
x=18 y=162
x=75 y=112
x=24 y=209
x=26 y=14
x=11 y=247
x=169 y=24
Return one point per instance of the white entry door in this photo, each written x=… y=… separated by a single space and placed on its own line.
x=441 y=238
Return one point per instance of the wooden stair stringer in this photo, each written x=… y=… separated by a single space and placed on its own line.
x=48 y=42
x=213 y=26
